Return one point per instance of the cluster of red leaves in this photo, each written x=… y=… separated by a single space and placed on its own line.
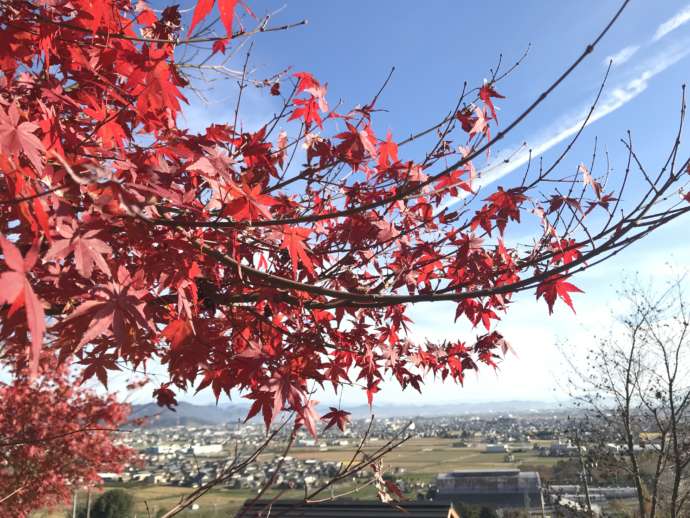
x=53 y=434
x=211 y=252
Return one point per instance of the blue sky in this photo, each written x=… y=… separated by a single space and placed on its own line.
x=436 y=46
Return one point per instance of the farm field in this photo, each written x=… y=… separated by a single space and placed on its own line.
x=431 y=456
x=151 y=500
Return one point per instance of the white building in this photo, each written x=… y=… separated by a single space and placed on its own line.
x=207 y=449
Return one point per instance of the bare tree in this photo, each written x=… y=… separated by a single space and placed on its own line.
x=633 y=387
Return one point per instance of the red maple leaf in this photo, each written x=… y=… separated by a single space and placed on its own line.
x=119 y=307
x=88 y=250
x=99 y=366
x=308 y=110
x=264 y=401
x=357 y=145
x=481 y=125
x=110 y=131
x=305 y=82
x=226 y=8
x=250 y=205
x=16 y=137
x=565 y=251
x=16 y=289
x=602 y=202
x=293 y=242
x=336 y=417
x=467 y=120
x=486 y=92
x=556 y=286
x=227 y=14
x=146 y=17
x=372 y=388
x=203 y=7
x=369 y=141
x=177 y=332
x=308 y=416
x=160 y=96
x=218 y=379
x=219 y=46
x=165 y=397
x=388 y=152
x=452 y=182
x=557 y=201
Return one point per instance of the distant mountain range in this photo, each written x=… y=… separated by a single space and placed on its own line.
x=188 y=414
x=449 y=409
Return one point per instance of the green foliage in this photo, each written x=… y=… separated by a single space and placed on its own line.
x=474 y=511
x=116 y=503
x=487 y=512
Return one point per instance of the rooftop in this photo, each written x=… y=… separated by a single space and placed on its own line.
x=482 y=473
x=346 y=508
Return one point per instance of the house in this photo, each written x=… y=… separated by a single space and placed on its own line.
x=561 y=449
x=207 y=449
x=496 y=448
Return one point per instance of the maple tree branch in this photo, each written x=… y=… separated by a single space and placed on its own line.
x=272 y=478
x=15 y=201
x=353 y=467
x=333 y=498
x=189 y=499
x=379 y=300
x=261 y=28
x=544 y=174
x=449 y=117
x=10 y=495
x=376 y=300
x=402 y=193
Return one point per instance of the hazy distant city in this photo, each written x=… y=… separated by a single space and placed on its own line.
x=480 y=455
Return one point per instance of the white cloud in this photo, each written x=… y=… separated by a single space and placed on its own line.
x=256 y=109
x=622 y=55
x=680 y=18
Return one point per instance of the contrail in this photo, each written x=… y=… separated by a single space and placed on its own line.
x=681 y=18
